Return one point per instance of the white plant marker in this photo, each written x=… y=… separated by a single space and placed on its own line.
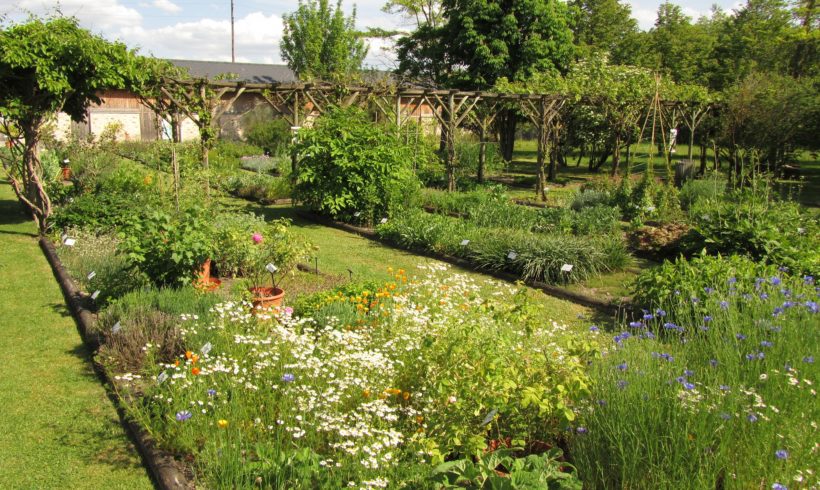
x=66 y=161
x=69 y=242
x=383 y=221
x=566 y=268
x=271 y=268
x=91 y=275
x=116 y=328
x=162 y=377
x=357 y=214
x=464 y=243
x=95 y=295
x=512 y=255
x=206 y=349
x=63 y=237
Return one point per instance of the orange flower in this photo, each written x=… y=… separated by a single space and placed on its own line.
x=194 y=358
x=366 y=393
x=188 y=354
x=406 y=395
x=176 y=363
x=195 y=371
x=419 y=419
x=222 y=423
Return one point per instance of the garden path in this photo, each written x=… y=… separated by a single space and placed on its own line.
x=58 y=427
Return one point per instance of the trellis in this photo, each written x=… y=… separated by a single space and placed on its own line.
x=295 y=102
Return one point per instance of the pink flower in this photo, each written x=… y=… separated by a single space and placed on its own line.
x=257 y=238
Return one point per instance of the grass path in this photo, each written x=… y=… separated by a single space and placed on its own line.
x=58 y=428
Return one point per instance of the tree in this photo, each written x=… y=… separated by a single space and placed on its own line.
x=48 y=66
x=607 y=26
x=320 y=42
x=422 y=12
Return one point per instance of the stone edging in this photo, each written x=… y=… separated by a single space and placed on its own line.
x=167 y=472
x=558 y=292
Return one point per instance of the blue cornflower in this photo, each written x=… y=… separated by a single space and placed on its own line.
x=786 y=292
x=601 y=403
x=761 y=355
x=774 y=280
x=809 y=359
x=732 y=280
x=680 y=379
x=212 y=392
x=688 y=372
x=808 y=279
x=688 y=386
x=724 y=305
x=811 y=305
x=648 y=316
x=740 y=336
x=750 y=357
x=787 y=304
x=724 y=387
x=704 y=328
x=622 y=366
x=751 y=417
x=183 y=415
x=708 y=290
x=713 y=362
x=671 y=326
x=766 y=343
x=667 y=357
x=781 y=454
x=581 y=430
x=695 y=300
x=660 y=312
x=649 y=335
x=622 y=384
x=783 y=268
x=288 y=377
x=594 y=329
x=764 y=296
x=777 y=311
x=707 y=319
x=636 y=324
x=779 y=486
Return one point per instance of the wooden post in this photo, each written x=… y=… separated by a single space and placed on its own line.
x=451 y=145
x=294 y=157
x=482 y=149
x=543 y=133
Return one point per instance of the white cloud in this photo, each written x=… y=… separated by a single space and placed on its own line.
x=166 y=6
x=102 y=15
x=257 y=39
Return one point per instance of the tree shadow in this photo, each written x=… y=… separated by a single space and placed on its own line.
x=12 y=213
x=60 y=308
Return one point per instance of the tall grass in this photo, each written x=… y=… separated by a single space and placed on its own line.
x=716 y=390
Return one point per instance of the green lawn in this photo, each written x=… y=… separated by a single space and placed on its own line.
x=58 y=427
x=339 y=251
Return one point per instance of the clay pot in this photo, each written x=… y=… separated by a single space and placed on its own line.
x=66 y=173
x=205 y=272
x=266 y=297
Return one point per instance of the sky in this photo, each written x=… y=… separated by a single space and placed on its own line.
x=201 y=30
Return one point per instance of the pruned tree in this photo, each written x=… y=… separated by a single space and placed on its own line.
x=48 y=66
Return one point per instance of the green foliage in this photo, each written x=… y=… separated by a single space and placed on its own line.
x=748 y=223
x=696 y=190
x=168 y=248
x=349 y=165
x=321 y=42
x=263 y=164
x=261 y=188
x=527 y=472
x=590 y=197
x=273 y=136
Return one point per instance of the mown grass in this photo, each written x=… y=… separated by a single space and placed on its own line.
x=58 y=429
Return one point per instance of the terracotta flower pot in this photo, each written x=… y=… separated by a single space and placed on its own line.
x=207 y=285
x=205 y=272
x=267 y=297
x=66 y=173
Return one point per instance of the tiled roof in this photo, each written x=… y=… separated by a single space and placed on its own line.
x=246 y=72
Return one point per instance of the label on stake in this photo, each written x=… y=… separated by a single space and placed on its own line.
x=95 y=294
x=357 y=214
x=464 y=243
x=69 y=242
x=512 y=255
x=566 y=267
x=383 y=221
x=116 y=328
x=271 y=268
x=206 y=349
x=162 y=377
x=91 y=275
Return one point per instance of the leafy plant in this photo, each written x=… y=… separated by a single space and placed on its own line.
x=505 y=469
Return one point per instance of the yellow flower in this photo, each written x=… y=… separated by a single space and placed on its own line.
x=222 y=423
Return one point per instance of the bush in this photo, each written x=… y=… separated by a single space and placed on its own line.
x=589 y=198
x=349 y=165
x=273 y=136
x=260 y=188
x=169 y=248
x=693 y=191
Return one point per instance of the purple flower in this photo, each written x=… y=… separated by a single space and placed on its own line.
x=257 y=238
x=708 y=290
x=779 y=486
x=288 y=377
x=212 y=392
x=695 y=300
x=808 y=279
x=680 y=379
x=781 y=454
x=764 y=296
x=649 y=335
x=732 y=280
x=688 y=373
x=622 y=384
x=636 y=324
x=581 y=430
x=750 y=357
x=761 y=355
x=811 y=305
x=648 y=316
x=740 y=336
x=594 y=329
x=622 y=366
x=751 y=417
x=783 y=268
x=688 y=386
x=707 y=319
x=183 y=415
x=724 y=387
x=713 y=362
x=809 y=359
x=774 y=280
x=660 y=312
x=704 y=328
x=724 y=305
x=601 y=403
x=766 y=343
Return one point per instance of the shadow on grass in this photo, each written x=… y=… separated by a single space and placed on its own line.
x=12 y=213
x=60 y=308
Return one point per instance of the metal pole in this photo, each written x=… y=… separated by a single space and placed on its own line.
x=233 y=41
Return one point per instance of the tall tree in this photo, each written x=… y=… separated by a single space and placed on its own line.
x=321 y=42
x=422 y=12
x=48 y=66
x=605 y=26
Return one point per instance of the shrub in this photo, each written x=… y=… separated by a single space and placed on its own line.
x=349 y=165
x=692 y=191
x=260 y=188
x=589 y=198
x=169 y=248
x=273 y=136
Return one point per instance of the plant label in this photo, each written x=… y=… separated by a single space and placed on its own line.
x=650 y=209
x=801 y=231
x=271 y=268
x=383 y=221
x=512 y=255
x=464 y=243
x=95 y=295
x=66 y=161
x=116 y=328
x=91 y=275
x=206 y=349
x=63 y=237
x=162 y=377
x=295 y=128
x=566 y=268
x=357 y=214
x=489 y=417
x=69 y=242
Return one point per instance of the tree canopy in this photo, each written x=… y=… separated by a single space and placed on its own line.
x=319 y=41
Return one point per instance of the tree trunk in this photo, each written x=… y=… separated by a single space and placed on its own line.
x=691 y=141
x=702 y=170
x=31 y=191
x=506 y=123
x=596 y=166
x=616 y=156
